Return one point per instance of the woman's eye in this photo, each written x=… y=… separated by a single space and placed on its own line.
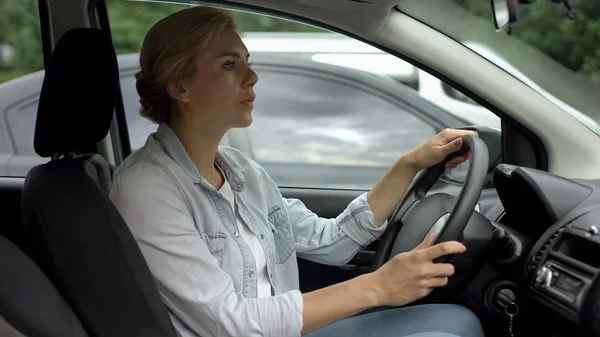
x=228 y=64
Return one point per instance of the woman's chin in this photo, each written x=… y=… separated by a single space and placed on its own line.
x=243 y=122
x=247 y=120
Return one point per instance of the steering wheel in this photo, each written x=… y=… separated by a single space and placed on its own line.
x=443 y=214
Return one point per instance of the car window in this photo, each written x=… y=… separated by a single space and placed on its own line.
x=350 y=128
x=310 y=130
x=304 y=118
x=139 y=128
x=21 y=60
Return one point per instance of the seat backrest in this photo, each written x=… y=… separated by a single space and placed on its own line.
x=7 y=330
x=11 y=226
x=30 y=305
x=72 y=229
x=98 y=169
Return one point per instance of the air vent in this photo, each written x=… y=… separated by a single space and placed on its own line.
x=535 y=261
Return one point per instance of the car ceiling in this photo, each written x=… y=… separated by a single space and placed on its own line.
x=363 y=18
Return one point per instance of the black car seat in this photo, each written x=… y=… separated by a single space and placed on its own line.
x=30 y=305
x=7 y=330
x=72 y=230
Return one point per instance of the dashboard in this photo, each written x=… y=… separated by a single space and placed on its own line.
x=562 y=217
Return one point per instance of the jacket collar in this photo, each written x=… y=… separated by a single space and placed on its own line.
x=175 y=149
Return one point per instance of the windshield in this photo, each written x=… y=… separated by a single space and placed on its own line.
x=558 y=57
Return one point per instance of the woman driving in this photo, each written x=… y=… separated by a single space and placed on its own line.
x=218 y=236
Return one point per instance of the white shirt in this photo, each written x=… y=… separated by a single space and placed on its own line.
x=263 y=285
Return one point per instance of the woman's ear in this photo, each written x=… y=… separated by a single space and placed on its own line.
x=177 y=92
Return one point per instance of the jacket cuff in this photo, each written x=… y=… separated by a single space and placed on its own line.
x=284 y=317
x=358 y=222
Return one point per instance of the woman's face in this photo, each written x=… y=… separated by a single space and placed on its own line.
x=220 y=94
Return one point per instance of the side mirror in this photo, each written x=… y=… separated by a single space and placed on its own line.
x=493 y=140
x=504 y=12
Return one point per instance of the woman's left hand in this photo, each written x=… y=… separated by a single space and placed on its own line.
x=384 y=197
x=438 y=148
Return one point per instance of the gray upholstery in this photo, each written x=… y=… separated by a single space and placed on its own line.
x=29 y=302
x=7 y=330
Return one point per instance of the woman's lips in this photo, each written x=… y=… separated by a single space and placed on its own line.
x=248 y=102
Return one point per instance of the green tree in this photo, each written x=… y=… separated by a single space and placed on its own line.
x=576 y=44
x=129 y=20
x=20 y=28
x=543 y=25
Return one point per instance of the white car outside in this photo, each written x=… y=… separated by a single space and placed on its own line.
x=343 y=51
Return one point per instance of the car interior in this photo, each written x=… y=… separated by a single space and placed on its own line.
x=70 y=266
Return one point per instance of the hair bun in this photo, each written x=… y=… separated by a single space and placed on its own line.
x=146 y=108
x=139 y=75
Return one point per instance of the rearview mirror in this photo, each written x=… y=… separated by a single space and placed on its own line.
x=504 y=12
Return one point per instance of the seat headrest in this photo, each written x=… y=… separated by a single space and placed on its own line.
x=78 y=93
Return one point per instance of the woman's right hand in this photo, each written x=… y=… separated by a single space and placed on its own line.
x=413 y=275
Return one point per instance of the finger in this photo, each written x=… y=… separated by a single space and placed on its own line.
x=454 y=162
x=427 y=242
x=440 y=270
x=453 y=146
x=424 y=292
x=454 y=133
x=444 y=248
x=438 y=282
x=466 y=132
x=460 y=159
x=457 y=159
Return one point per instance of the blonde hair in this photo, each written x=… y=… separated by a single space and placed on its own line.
x=169 y=53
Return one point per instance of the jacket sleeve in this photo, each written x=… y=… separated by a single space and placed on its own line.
x=188 y=276
x=332 y=241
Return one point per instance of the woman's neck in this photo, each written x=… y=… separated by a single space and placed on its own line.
x=202 y=146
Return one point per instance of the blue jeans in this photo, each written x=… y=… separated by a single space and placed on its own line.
x=430 y=320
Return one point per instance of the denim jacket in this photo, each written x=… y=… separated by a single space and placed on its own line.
x=204 y=270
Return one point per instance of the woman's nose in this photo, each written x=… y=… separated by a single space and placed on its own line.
x=252 y=78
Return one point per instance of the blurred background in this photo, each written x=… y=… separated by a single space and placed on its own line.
x=326 y=101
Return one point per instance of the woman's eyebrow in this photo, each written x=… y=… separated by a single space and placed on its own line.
x=234 y=54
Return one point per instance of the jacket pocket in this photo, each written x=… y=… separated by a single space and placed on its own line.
x=282 y=234
x=216 y=244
